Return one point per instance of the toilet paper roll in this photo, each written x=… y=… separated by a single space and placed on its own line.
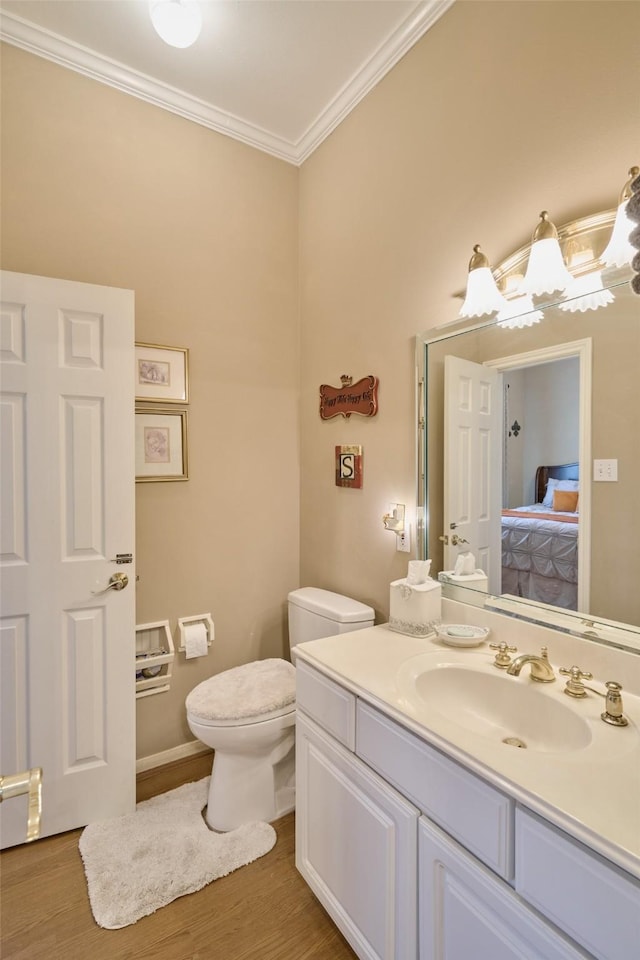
x=195 y=640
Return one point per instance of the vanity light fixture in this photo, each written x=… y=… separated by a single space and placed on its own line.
x=519 y=313
x=619 y=251
x=586 y=293
x=177 y=22
x=546 y=271
x=483 y=296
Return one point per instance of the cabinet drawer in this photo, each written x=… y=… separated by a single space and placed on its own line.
x=327 y=703
x=591 y=899
x=476 y=814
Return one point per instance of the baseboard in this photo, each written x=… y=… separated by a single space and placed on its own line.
x=189 y=749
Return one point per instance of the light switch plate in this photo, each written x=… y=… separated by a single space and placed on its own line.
x=605 y=470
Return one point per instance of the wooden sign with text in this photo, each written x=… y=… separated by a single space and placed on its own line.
x=360 y=397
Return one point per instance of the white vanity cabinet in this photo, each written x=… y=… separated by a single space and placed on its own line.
x=466 y=913
x=356 y=846
x=416 y=857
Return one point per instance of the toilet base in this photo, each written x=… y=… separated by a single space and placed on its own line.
x=248 y=788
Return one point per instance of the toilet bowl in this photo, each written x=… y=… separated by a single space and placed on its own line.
x=247 y=716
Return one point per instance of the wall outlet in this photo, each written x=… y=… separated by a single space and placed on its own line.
x=403 y=540
x=605 y=470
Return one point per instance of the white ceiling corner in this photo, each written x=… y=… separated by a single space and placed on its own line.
x=216 y=90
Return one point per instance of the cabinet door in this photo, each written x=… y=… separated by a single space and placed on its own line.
x=466 y=912
x=356 y=846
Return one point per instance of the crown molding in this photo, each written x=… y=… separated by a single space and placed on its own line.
x=51 y=46
x=365 y=79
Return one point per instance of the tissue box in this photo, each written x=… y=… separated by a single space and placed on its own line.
x=415 y=608
x=466 y=587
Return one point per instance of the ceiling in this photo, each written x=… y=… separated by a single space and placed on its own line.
x=279 y=75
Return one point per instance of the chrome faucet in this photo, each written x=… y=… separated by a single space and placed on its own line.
x=541 y=669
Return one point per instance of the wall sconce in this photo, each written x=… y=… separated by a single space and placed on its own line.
x=483 y=296
x=546 y=271
x=177 y=22
x=619 y=251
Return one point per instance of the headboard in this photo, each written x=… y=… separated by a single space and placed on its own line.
x=563 y=471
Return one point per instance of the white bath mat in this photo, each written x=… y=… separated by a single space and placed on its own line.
x=138 y=863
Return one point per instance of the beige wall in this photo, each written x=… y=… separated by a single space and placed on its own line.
x=102 y=188
x=502 y=110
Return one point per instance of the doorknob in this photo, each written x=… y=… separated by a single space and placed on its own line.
x=455 y=539
x=118 y=581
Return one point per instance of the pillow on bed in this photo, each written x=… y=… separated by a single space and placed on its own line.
x=565 y=500
x=558 y=485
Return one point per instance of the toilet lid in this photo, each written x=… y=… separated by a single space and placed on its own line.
x=254 y=689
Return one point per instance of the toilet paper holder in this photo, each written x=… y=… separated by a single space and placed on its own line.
x=183 y=622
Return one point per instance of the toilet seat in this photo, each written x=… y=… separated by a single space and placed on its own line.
x=252 y=693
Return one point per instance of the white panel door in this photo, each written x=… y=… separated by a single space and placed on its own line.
x=473 y=465
x=66 y=643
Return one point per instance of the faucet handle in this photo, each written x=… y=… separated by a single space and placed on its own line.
x=502 y=659
x=574 y=686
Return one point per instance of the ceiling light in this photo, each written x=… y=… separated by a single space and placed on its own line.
x=483 y=295
x=619 y=251
x=178 y=22
x=546 y=271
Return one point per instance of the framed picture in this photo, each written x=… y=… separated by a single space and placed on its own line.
x=162 y=373
x=161 y=445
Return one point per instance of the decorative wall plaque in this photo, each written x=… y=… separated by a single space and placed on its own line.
x=360 y=397
x=349 y=466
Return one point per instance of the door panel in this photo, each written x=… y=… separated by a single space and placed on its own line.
x=473 y=465
x=66 y=643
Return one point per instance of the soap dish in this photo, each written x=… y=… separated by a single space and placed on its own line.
x=462 y=635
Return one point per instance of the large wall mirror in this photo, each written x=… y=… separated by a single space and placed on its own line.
x=565 y=393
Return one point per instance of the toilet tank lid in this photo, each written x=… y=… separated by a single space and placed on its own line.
x=332 y=606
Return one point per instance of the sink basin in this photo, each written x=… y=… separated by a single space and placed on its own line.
x=511 y=710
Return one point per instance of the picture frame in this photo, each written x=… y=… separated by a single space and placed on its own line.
x=161 y=444
x=162 y=373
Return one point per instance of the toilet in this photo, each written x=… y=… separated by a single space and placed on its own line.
x=247 y=716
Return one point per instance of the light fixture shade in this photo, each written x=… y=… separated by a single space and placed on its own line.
x=619 y=251
x=483 y=296
x=546 y=271
x=519 y=313
x=586 y=293
x=177 y=22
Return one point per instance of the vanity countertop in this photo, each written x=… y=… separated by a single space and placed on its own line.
x=592 y=793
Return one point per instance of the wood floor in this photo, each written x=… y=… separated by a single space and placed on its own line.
x=263 y=911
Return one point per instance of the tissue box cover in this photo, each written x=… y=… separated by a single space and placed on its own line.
x=477 y=581
x=415 y=608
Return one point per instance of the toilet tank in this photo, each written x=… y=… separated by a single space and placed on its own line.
x=315 y=613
